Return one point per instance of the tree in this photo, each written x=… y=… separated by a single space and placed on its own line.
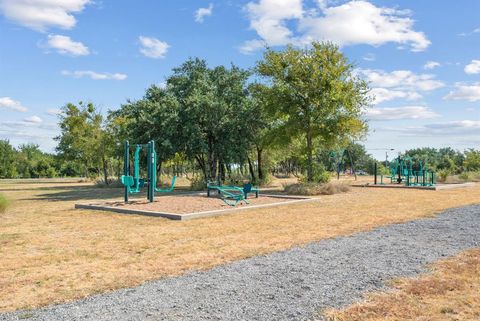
x=7 y=160
x=33 y=163
x=472 y=160
x=155 y=116
x=83 y=138
x=315 y=95
x=213 y=111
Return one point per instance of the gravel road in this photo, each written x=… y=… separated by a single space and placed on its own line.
x=290 y=285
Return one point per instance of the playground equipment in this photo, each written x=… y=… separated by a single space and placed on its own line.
x=338 y=157
x=232 y=195
x=406 y=170
x=134 y=184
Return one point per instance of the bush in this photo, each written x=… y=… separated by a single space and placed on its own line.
x=464 y=176
x=4 y=203
x=112 y=183
x=443 y=174
x=316 y=188
x=267 y=180
x=320 y=175
x=197 y=183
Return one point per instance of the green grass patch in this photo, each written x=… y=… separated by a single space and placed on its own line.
x=316 y=188
x=4 y=203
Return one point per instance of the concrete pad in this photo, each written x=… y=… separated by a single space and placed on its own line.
x=194 y=215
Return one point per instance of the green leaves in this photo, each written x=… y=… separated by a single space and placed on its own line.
x=315 y=94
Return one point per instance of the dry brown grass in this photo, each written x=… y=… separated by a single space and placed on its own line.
x=450 y=292
x=53 y=253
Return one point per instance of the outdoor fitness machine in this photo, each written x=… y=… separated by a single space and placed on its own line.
x=406 y=170
x=134 y=184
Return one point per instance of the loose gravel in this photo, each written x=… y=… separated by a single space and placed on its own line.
x=295 y=284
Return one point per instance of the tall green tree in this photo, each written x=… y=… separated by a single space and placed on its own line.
x=213 y=111
x=155 y=116
x=472 y=160
x=84 y=139
x=315 y=94
x=7 y=160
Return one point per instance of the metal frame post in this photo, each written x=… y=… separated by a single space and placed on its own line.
x=126 y=167
x=152 y=175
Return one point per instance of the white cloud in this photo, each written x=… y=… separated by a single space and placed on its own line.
x=431 y=65
x=33 y=120
x=351 y=23
x=54 y=111
x=30 y=130
x=152 y=47
x=404 y=79
x=94 y=75
x=398 y=84
x=450 y=129
x=268 y=18
x=360 y=22
x=66 y=46
x=465 y=92
x=9 y=103
x=43 y=14
x=397 y=113
x=201 y=13
x=369 y=57
x=383 y=94
x=473 y=67
x=464 y=34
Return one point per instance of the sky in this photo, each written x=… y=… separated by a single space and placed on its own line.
x=421 y=58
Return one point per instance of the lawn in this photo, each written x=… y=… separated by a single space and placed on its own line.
x=450 y=292
x=53 y=253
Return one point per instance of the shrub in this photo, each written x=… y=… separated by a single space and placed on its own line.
x=320 y=175
x=464 y=176
x=197 y=183
x=267 y=180
x=4 y=203
x=442 y=175
x=112 y=183
x=316 y=188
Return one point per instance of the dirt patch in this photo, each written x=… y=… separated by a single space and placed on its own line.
x=191 y=203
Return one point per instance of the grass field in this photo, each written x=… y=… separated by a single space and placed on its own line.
x=450 y=292
x=53 y=253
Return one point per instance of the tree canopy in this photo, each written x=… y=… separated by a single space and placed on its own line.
x=315 y=95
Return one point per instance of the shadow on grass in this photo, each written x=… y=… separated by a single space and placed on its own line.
x=85 y=193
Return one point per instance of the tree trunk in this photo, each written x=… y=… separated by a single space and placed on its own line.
x=201 y=164
x=221 y=171
x=252 y=172
x=259 y=164
x=105 y=168
x=211 y=160
x=309 y=157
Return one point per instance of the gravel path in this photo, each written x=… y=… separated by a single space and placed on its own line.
x=288 y=285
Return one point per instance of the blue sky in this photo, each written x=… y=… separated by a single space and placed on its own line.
x=422 y=58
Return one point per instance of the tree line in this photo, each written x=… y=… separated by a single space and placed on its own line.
x=221 y=120
x=284 y=116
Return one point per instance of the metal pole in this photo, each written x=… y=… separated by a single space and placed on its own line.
x=375 y=172
x=153 y=161
x=149 y=180
x=126 y=168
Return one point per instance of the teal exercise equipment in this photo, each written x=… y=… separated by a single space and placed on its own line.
x=407 y=170
x=134 y=184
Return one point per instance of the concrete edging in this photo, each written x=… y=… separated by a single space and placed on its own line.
x=194 y=215
x=428 y=188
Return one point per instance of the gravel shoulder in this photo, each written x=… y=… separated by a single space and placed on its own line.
x=290 y=285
